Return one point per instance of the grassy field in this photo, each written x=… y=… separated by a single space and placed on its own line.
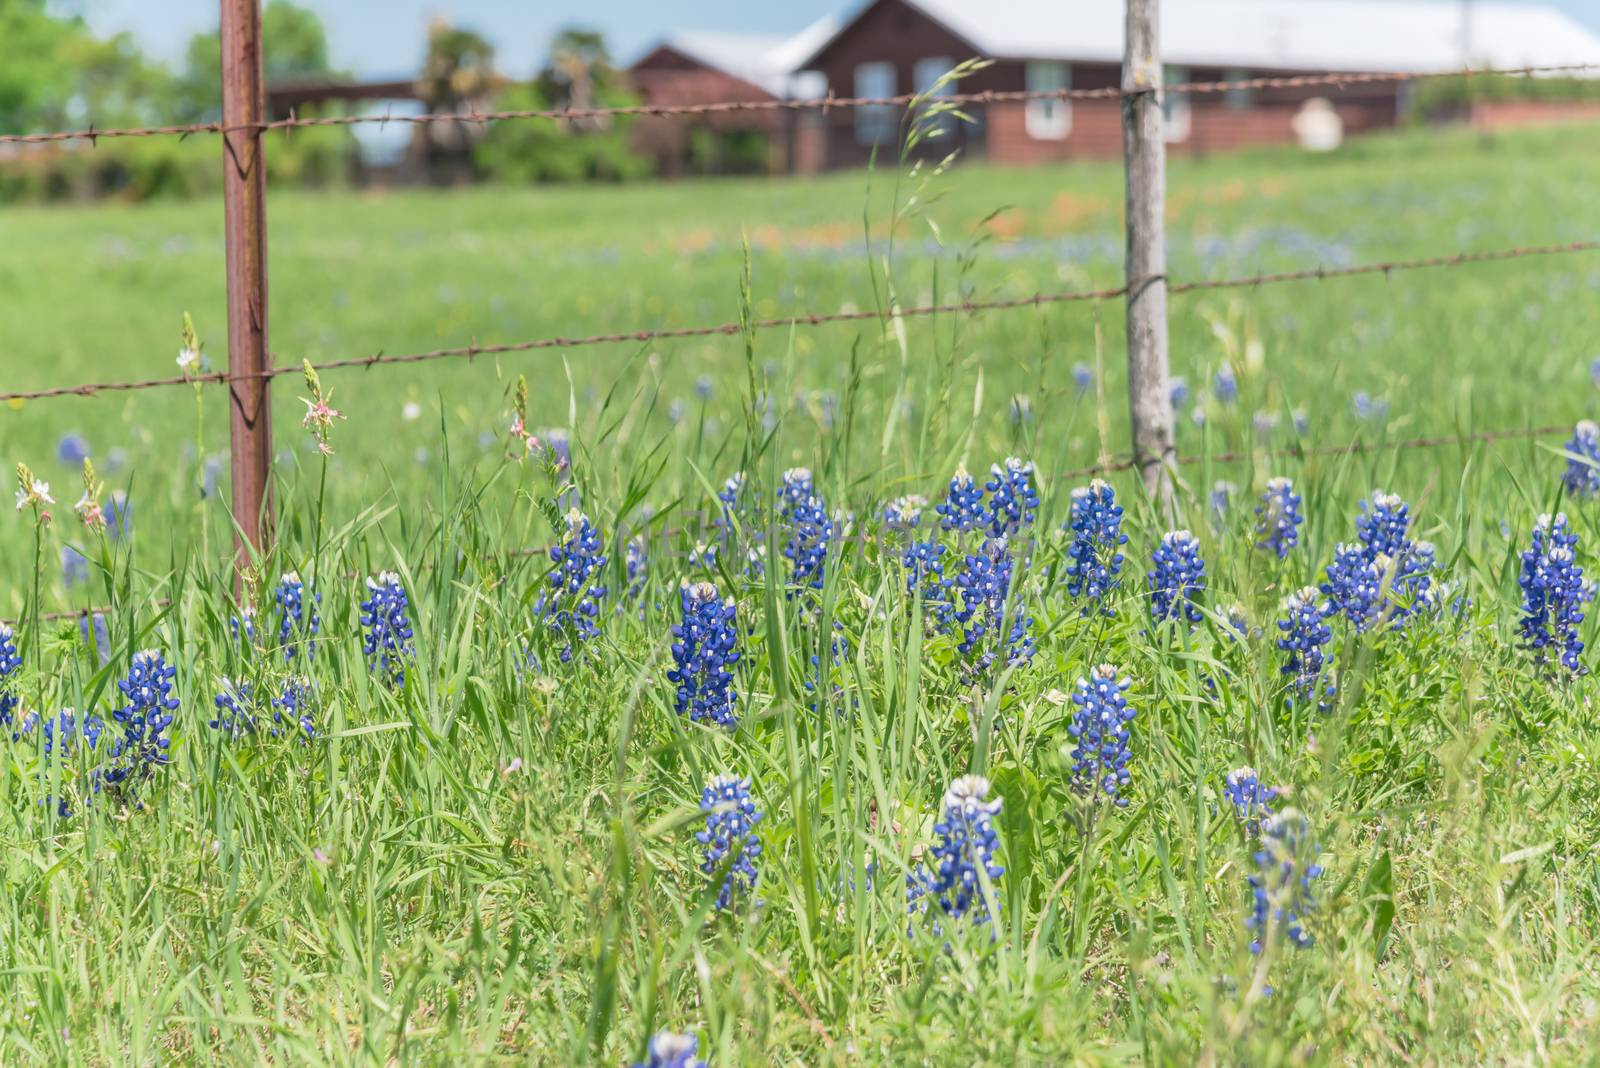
x=495 y=859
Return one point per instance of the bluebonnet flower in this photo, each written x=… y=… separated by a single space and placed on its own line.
x=294 y=706
x=238 y=712
x=10 y=664
x=962 y=510
x=1021 y=408
x=1304 y=631
x=810 y=532
x=1237 y=622
x=118 y=516
x=386 y=624
x=1355 y=584
x=705 y=647
x=1178 y=391
x=1369 y=410
x=1594 y=371
x=963 y=857
x=703 y=387
x=93 y=632
x=1221 y=500
x=636 y=562
x=74 y=566
x=571 y=605
x=1095 y=557
x=731 y=818
x=1264 y=423
x=142 y=746
x=703 y=555
x=1100 y=728
x=1302 y=421
x=72 y=449
x=1582 y=477
x=1383 y=523
x=1280 y=887
x=235 y=705
x=923 y=562
x=294 y=630
x=1278 y=517
x=1014 y=502
x=1082 y=378
x=1250 y=797
x=1177 y=577
x=1225 y=385
x=1198 y=416
x=1553 y=593
x=209 y=472
x=904 y=513
x=242 y=627
x=668 y=1050
x=986 y=609
x=798 y=487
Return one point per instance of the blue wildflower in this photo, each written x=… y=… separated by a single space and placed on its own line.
x=1177 y=577
x=1178 y=391
x=1280 y=887
x=118 y=516
x=1582 y=477
x=962 y=510
x=705 y=647
x=94 y=633
x=636 y=564
x=731 y=818
x=1304 y=632
x=963 y=857
x=1082 y=378
x=72 y=449
x=1355 y=584
x=798 y=487
x=1250 y=797
x=235 y=705
x=1278 y=517
x=74 y=566
x=295 y=631
x=10 y=664
x=987 y=611
x=810 y=532
x=1095 y=557
x=1302 y=421
x=1225 y=386
x=1553 y=593
x=668 y=1050
x=1221 y=500
x=1383 y=523
x=386 y=625
x=904 y=513
x=294 y=705
x=1594 y=371
x=1369 y=410
x=1014 y=501
x=570 y=607
x=923 y=562
x=1100 y=728
x=142 y=746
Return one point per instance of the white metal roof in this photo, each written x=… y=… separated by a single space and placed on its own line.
x=764 y=59
x=1340 y=35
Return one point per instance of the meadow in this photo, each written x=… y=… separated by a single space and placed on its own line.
x=451 y=814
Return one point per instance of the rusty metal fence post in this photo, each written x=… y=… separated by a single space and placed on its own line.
x=1144 y=152
x=244 y=194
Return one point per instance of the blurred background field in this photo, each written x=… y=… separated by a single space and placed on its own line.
x=98 y=292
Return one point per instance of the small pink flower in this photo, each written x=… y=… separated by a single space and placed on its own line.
x=321 y=857
x=513 y=767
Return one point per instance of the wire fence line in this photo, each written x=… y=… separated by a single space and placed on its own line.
x=1320 y=273
x=822 y=104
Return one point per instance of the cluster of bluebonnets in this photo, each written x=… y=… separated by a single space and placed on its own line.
x=966 y=568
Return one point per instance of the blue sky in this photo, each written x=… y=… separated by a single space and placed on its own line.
x=384 y=37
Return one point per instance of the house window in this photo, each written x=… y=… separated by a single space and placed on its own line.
x=1048 y=119
x=875 y=123
x=1175 y=106
x=925 y=80
x=1237 y=99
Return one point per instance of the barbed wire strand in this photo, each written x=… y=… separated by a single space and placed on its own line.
x=823 y=104
x=1321 y=273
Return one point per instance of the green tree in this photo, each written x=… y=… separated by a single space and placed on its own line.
x=294 y=44
x=35 y=80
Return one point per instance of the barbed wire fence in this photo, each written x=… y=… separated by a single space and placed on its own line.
x=244 y=127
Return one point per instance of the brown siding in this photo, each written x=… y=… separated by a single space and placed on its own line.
x=1494 y=114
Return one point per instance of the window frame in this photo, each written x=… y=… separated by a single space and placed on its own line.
x=875 y=123
x=1047 y=120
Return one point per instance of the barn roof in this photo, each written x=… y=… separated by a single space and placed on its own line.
x=1311 y=35
x=763 y=59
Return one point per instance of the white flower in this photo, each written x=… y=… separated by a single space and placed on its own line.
x=187 y=358
x=411 y=412
x=37 y=492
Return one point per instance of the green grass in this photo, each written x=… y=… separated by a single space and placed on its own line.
x=496 y=863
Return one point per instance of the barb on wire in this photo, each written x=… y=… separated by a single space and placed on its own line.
x=823 y=104
x=783 y=322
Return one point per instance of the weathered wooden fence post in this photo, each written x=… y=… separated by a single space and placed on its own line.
x=244 y=194
x=1145 y=162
